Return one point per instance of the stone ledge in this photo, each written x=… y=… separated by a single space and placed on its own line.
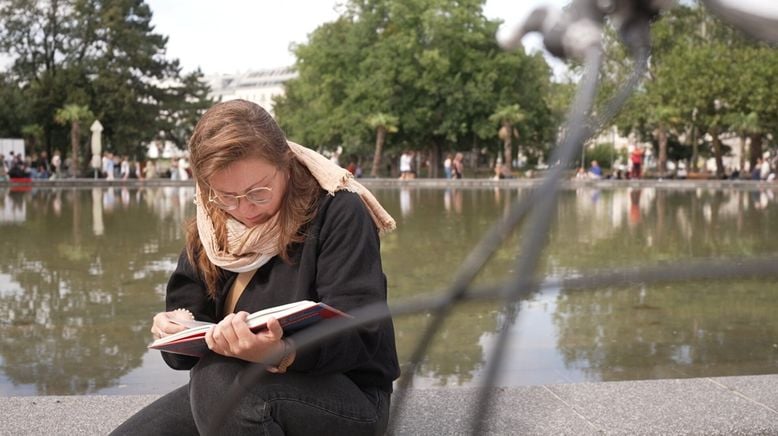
x=745 y=405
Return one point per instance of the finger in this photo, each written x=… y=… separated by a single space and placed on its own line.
x=209 y=338
x=164 y=326
x=227 y=330
x=245 y=338
x=274 y=329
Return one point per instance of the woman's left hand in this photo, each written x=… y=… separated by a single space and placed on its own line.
x=232 y=337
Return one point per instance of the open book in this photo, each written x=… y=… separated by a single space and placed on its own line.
x=292 y=317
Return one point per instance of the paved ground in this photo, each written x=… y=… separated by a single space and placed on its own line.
x=702 y=406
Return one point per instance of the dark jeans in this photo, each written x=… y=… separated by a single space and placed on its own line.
x=291 y=404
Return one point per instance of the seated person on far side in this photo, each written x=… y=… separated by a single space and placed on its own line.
x=595 y=172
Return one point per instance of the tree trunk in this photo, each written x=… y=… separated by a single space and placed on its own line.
x=507 y=145
x=756 y=149
x=436 y=160
x=662 y=151
x=695 y=149
x=380 y=137
x=742 y=163
x=74 y=134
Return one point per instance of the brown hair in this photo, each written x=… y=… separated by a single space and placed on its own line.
x=235 y=130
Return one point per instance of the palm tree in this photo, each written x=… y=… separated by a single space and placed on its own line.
x=664 y=118
x=32 y=134
x=75 y=115
x=508 y=116
x=382 y=123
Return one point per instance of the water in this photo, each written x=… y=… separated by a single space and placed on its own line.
x=82 y=271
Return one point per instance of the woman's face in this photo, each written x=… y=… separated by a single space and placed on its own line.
x=244 y=176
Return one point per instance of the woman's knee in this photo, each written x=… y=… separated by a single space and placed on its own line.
x=212 y=381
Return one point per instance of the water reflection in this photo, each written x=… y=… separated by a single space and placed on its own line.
x=84 y=270
x=88 y=289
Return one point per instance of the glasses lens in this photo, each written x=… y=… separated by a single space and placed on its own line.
x=224 y=201
x=259 y=195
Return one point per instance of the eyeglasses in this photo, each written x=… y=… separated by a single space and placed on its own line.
x=259 y=196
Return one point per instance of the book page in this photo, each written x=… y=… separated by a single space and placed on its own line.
x=189 y=323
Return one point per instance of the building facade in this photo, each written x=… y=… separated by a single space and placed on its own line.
x=258 y=86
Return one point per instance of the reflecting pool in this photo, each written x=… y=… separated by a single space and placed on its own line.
x=82 y=271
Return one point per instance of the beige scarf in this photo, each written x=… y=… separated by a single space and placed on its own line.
x=250 y=248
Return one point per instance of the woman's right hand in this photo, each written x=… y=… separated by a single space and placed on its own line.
x=162 y=326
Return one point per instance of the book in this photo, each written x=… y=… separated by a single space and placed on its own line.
x=292 y=317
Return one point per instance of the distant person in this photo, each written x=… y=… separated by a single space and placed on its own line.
x=756 y=169
x=498 y=174
x=636 y=157
x=406 y=169
x=108 y=166
x=18 y=170
x=183 y=167
x=764 y=169
x=174 y=174
x=56 y=163
x=447 y=166
x=3 y=169
x=501 y=171
x=595 y=172
x=43 y=165
x=457 y=166
x=150 y=172
x=124 y=168
x=352 y=167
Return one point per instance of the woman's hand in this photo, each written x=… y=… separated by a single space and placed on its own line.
x=162 y=326
x=232 y=337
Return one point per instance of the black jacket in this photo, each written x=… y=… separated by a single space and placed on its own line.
x=339 y=263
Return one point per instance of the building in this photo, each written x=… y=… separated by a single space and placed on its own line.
x=258 y=86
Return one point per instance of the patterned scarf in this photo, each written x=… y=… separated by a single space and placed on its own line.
x=249 y=248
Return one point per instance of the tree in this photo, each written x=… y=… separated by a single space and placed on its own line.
x=74 y=115
x=434 y=63
x=697 y=61
x=32 y=134
x=383 y=124
x=507 y=117
x=664 y=118
x=183 y=105
x=103 y=54
x=745 y=125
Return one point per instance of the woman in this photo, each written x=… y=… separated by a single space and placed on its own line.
x=457 y=166
x=306 y=231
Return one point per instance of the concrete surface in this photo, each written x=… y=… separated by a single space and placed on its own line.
x=703 y=406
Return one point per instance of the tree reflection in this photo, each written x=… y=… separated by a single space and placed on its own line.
x=704 y=329
x=82 y=319
x=669 y=331
x=76 y=297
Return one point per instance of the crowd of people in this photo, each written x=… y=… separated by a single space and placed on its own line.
x=38 y=166
x=34 y=166
x=115 y=167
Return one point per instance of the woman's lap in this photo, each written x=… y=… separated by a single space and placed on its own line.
x=278 y=404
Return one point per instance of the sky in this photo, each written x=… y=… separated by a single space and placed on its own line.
x=230 y=36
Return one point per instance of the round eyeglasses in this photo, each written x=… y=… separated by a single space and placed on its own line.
x=259 y=196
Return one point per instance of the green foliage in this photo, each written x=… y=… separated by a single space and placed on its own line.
x=103 y=54
x=382 y=120
x=604 y=154
x=74 y=115
x=703 y=78
x=434 y=63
